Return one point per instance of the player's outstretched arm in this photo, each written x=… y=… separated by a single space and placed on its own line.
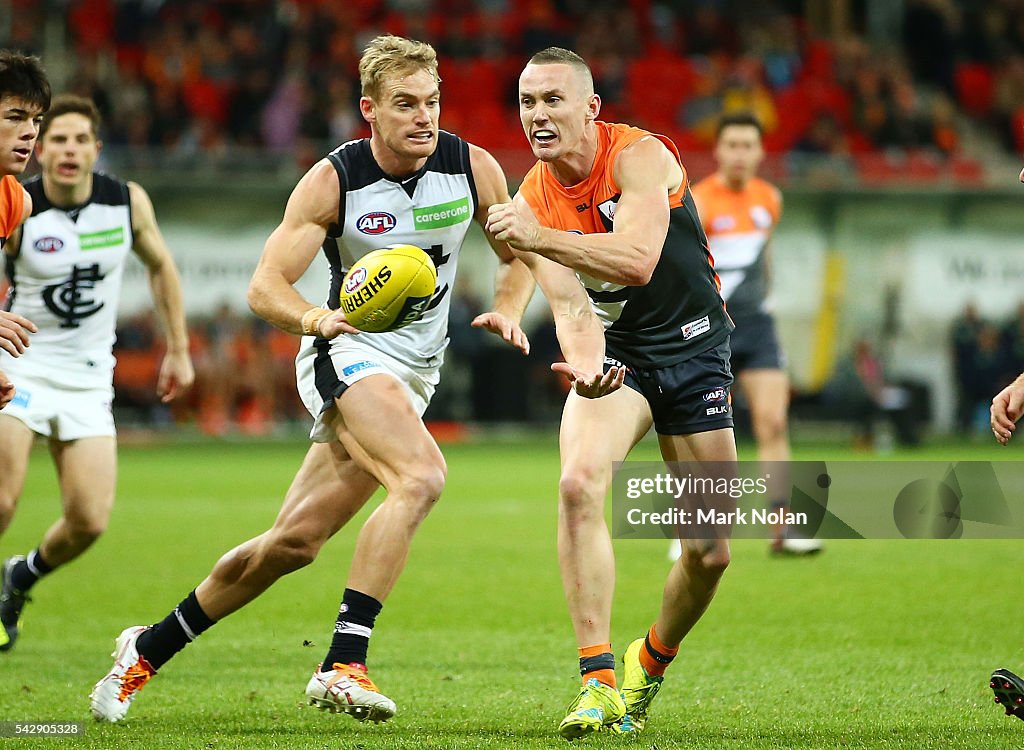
x=645 y=172
x=1007 y=408
x=312 y=208
x=176 y=372
x=513 y=283
x=580 y=334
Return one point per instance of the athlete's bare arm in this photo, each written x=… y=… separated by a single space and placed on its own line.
x=646 y=172
x=513 y=283
x=312 y=208
x=580 y=333
x=176 y=373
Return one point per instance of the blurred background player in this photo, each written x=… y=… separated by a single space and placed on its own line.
x=366 y=393
x=612 y=202
x=739 y=211
x=1007 y=409
x=24 y=97
x=65 y=265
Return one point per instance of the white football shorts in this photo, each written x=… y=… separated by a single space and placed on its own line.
x=324 y=372
x=59 y=413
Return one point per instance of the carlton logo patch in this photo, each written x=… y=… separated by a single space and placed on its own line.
x=355 y=279
x=48 y=244
x=376 y=222
x=716 y=395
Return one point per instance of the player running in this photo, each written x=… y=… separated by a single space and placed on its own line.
x=65 y=265
x=366 y=393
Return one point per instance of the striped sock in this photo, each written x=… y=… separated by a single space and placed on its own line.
x=352 y=631
x=169 y=636
x=26 y=573
x=597 y=662
x=655 y=656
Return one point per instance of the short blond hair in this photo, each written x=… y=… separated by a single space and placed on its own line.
x=388 y=55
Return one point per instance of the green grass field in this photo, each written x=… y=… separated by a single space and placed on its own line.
x=875 y=644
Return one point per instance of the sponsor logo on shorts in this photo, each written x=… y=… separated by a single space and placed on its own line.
x=355 y=277
x=21 y=398
x=48 y=244
x=376 y=222
x=355 y=367
x=696 y=327
x=713 y=410
x=441 y=215
x=716 y=395
x=101 y=239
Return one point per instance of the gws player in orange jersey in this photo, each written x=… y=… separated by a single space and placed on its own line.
x=740 y=211
x=612 y=203
x=24 y=98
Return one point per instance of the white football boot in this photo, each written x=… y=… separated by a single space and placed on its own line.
x=110 y=699
x=346 y=688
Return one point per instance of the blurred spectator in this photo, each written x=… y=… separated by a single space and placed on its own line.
x=930 y=38
x=964 y=337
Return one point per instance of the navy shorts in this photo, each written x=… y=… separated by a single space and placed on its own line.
x=755 y=344
x=688 y=397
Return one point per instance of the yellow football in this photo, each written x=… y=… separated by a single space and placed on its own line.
x=388 y=288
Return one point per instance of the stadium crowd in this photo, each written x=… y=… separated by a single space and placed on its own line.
x=195 y=77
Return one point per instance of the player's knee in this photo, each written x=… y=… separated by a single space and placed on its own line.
x=715 y=561
x=578 y=489
x=770 y=426
x=423 y=484
x=8 y=502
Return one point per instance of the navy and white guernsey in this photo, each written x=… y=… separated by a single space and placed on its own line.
x=66 y=278
x=431 y=209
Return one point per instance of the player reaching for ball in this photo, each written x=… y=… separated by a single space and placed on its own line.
x=408 y=183
x=613 y=203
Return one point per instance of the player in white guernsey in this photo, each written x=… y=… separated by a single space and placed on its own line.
x=409 y=183
x=65 y=265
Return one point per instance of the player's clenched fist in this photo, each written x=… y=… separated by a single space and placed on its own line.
x=507 y=224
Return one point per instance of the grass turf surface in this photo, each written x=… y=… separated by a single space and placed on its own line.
x=874 y=644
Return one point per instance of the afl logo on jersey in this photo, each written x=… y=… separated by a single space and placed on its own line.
x=376 y=222
x=48 y=244
x=761 y=217
x=355 y=279
x=724 y=223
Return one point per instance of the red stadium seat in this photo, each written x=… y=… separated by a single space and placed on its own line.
x=974 y=88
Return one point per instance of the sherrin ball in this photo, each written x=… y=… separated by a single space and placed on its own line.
x=389 y=288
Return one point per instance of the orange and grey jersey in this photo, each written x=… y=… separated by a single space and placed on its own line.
x=65 y=277
x=739 y=225
x=679 y=312
x=430 y=209
x=12 y=206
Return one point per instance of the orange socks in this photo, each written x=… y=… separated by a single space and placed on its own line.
x=655 y=656
x=598 y=662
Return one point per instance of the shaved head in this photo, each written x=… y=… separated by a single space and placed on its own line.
x=561 y=56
